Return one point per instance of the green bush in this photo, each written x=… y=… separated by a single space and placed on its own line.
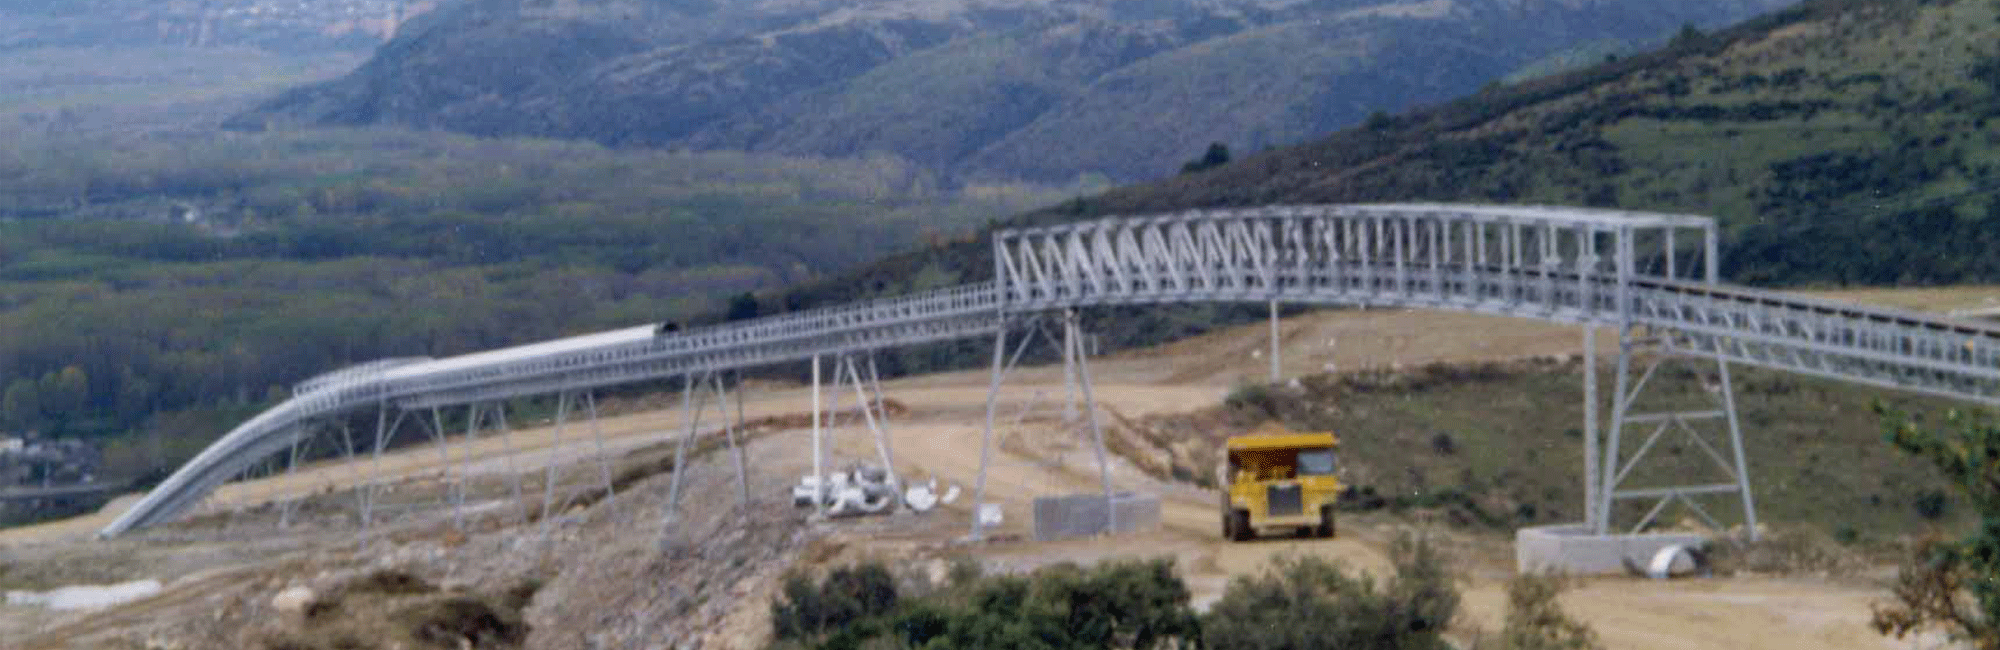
x=846 y=595
x=1931 y=504
x=1140 y=604
x=1217 y=155
x=1304 y=603
x=1535 y=621
x=1950 y=585
x=1253 y=400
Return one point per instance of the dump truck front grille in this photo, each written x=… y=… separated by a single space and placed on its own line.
x=1285 y=500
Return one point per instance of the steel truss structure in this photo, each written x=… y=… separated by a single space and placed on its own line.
x=1652 y=277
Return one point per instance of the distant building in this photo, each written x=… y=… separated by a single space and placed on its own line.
x=48 y=462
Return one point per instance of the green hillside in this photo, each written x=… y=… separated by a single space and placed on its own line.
x=1831 y=149
x=1046 y=91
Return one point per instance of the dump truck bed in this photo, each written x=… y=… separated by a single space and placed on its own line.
x=1282 y=441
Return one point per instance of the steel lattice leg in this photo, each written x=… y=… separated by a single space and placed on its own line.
x=881 y=409
x=729 y=429
x=694 y=404
x=507 y=447
x=474 y=414
x=874 y=427
x=1590 y=451
x=603 y=461
x=1615 y=468
x=1096 y=432
x=384 y=434
x=986 y=436
x=1277 y=372
x=1736 y=446
x=819 y=443
x=1070 y=351
x=353 y=470
x=549 y=474
x=292 y=469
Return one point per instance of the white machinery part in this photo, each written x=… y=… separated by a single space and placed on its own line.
x=920 y=498
x=1665 y=561
x=851 y=501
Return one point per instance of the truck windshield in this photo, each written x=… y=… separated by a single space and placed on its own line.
x=1315 y=462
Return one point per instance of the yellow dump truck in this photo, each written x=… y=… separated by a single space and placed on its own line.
x=1279 y=479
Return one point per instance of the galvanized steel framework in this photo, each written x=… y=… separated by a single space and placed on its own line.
x=1652 y=277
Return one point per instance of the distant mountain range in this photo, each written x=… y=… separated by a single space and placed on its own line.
x=280 y=25
x=1035 y=89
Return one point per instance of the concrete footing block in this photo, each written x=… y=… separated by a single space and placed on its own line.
x=1082 y=515
x=1574 y=549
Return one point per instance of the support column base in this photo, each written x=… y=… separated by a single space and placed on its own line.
x=1574 y=549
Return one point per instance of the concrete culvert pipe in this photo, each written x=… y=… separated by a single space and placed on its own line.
x=1678 y=561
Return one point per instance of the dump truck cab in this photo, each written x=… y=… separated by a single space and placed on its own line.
x=1278 y=479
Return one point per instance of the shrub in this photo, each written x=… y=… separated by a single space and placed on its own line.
x=1931 y=504
x=742 y=307
x=1139 y=605
x=1950 y=585
x=1444 y=444
x=846 y=595
x=1536 y=621
x=1216 y=156
x=1306 y=603
x=1255 y=400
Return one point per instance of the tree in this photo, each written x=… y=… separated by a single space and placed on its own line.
x=845 y=596
x=135 y=395
x=1931 y=589
x=1216 y=156
x=22 y=403
x=1688 y=36
x=64 y=395
x=742 y=307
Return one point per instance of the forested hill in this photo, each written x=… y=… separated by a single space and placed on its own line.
x=1036 y=89
x=1832 y=147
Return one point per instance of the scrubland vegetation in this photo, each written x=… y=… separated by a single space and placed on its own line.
x=1293 y=603
x=168 y=284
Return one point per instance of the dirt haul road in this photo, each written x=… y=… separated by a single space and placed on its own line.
x=1039 y=456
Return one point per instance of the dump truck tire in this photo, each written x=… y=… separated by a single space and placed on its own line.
x=1325 y=528
x=1239 y=524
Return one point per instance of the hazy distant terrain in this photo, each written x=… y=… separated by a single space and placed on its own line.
x=279 y=25
x=1006 y=88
